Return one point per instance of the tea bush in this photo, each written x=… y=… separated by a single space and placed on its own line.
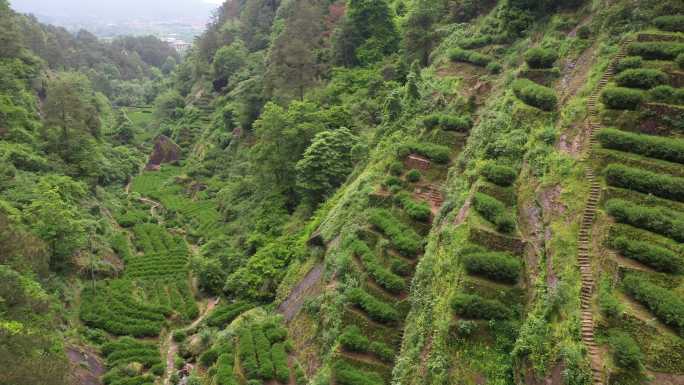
x=644 y=78
x=672 y=23
x=419 y=211
x=664 y=303
x=413 y=176
x=626 y=352
x=225 y=314
x=495 y=266
x=670 y=149
x=535 y=95
x=468 y=56
x=376 y=309
x=540 y=58
x=345 y=374
x=666 y=94
x=448 y=122
x=435 y=152
x=657 y=220
x=618 y=98
x=224 y=370
x=248 y=355
x=499 y=174
x=647 y=182
x=352 y=340
x=494 y=211
x=476 y=307
x=629 y=62
x=403 y=238
x=263 y=349
x=380 y=274
x=279 y=356
x=659 y=258
x=656 y=50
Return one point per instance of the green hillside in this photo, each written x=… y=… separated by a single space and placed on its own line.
x=357 y=192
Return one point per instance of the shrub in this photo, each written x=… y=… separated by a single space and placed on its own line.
x=618 y=98
x=263 y=350
x=224 y=370
x=494 y=67
x=376 y=309
x=499 y=174
x=352 y=340
x=432 y=121
x=413 y=176
x=384 y=277
x=584 y=32
x=382 y=350
x=456 y=123
x=276 y=334
x=179 y=335
x=396 y=168
x=225 y=314
x=629 y=62
x=419 y=211
x=657 y=220
x=644 y=78
x=608 y=303
x=656 y=50
x=401 y=267
x=657 y=257
x=494 y=211
x=282 y=371
x=468 y=56
x=666 y=94
x=672 y=23
x=667 y=305
x=346 y=374
x=476 y=307
x=437 y=153
x=403 y=238
x=392 y=181
x=647 y=182
x=208 y=357
x=680 y=61
x=669 y=149
x=539 y=58
x=626 y=351
x=496 y=266
x=247 y=355
x=476 y=42
x=535 y=95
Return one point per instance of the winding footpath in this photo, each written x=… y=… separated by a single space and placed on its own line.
x=588 y=217
x=173 y=346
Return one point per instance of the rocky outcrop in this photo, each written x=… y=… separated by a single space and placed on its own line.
x=165 y=151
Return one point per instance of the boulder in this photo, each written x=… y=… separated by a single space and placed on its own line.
x=165 y=151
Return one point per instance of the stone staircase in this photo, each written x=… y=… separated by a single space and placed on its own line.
x=431 y=194
x=588 y=217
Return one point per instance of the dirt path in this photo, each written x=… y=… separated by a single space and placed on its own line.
x=87 y=367
x=173 y=346
x=290 y=307
x=154 y=205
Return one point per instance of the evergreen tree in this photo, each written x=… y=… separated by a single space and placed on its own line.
x=419 y=34
x=10 y=39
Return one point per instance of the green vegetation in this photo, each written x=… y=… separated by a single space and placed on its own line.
x=629 y=62
x=499 y=174
x=665 y=304
x=494 y=211
x=535 y=95
x=402 y=237
x=669 y=149
x=656 y=50
x=475 y=307
x=468 y=56
x=384 y=277
x=419 y=211
x=225 y=314
x=647 y=182
x=657 y=257
x=674 y=23
x=644 y=78
x=346 y=374
x=618 y=98
x=496 y=266
x=437 y=153
x=376 y=309
x=657 y=220
x=539 y=58
x=666 y=94
x=626 y=351
x=448 y=122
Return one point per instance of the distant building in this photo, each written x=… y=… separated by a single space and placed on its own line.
x=179 y=45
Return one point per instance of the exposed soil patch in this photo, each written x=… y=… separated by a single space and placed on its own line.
x=294 y=302
x=87 y=367
x=666 y=379
x=571 y=145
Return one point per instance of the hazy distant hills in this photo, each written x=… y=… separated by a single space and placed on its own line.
x=115 y=10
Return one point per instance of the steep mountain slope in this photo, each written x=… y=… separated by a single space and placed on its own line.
x=405 y=192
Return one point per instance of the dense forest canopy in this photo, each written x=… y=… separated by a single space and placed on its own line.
x=346 y=192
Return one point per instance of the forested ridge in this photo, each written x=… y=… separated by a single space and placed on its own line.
x=347 y=192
